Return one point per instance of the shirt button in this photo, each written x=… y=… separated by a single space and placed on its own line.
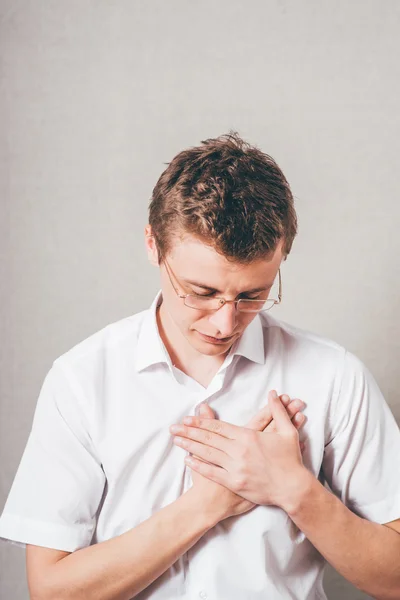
x=203 y=595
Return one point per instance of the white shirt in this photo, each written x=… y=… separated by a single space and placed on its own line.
x=100 y=459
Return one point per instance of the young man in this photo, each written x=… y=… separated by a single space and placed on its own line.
x=108 y=504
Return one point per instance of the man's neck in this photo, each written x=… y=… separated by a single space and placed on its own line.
x=183 y=356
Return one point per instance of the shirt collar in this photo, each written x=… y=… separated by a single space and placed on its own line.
x=251 y=342
x=150 y=348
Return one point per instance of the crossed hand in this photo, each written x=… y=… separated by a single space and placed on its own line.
x=261 y=462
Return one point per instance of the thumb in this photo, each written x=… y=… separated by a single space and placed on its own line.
x=263 y=418
x=260 y=420
x=279 y=414
x=205 y=411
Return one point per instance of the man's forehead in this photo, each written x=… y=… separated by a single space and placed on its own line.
x=198 y=263
x=189 y=249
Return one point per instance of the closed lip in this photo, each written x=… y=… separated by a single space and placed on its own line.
x=215 y=340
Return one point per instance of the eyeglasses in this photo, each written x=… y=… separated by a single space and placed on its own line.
x=210 y=303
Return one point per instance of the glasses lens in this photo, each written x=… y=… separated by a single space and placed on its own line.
x=249 y=306
x=203 y=302
x=209 y=303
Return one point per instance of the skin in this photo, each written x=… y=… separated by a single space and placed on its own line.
x=261 y=466
x=181 y=327
x=121 y=567
x=365 y=553
x=256 y=426
x=248 y=461
x=265 y=467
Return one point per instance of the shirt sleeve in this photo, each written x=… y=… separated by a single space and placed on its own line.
x=59 y=482
x=361 y=457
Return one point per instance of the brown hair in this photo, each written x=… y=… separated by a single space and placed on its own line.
x=227 y=193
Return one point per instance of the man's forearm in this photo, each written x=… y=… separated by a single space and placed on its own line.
x=121 y=567
x=367 y=554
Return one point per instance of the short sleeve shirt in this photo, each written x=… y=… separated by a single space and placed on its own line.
x=99 y=459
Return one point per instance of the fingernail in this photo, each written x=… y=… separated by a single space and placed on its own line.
x=198 y=409
x=202 y=408
x=274 y=394
x=180 y=441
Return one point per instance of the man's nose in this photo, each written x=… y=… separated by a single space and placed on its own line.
x=225 y=319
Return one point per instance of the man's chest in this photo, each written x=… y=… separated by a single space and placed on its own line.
x=132 y=436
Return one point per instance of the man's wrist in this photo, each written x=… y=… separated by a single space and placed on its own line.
x=302 y=485
x=206 y=515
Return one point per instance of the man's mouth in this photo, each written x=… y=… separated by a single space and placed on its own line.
x=214 y=340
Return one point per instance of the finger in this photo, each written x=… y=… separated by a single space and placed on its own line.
x=279 y=414
x=261 y=420
x=206 y=453
x=264 y=417
x=206 y=438
x=205 y=410
x=211 y=472
x=227 y=430
x=293 y=412
x=298 y=420
x=285 y=399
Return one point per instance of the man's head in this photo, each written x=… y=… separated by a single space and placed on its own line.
x=221 y=217
x=228 y=194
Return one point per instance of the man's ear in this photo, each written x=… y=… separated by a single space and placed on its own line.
x=151 y=248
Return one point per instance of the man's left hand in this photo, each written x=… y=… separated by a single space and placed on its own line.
x=262 y=466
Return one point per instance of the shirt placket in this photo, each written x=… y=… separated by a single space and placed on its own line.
x=203 y=396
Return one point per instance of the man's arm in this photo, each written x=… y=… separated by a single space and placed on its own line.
x=121 y=567
x=367 y=554
x=267 y=469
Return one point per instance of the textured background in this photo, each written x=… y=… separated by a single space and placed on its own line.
x=96 y=96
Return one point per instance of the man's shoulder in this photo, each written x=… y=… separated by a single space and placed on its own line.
x=309 y=352
x=117 y=337
x=297 y=338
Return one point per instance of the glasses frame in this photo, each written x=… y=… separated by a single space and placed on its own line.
x=222 y=300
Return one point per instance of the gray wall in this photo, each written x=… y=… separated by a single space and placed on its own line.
x=97 y=95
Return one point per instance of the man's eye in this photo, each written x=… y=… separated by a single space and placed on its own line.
x=203 y=295
x=213 y=294
x=250 y=297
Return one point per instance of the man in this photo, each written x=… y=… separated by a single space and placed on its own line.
x=108 y=504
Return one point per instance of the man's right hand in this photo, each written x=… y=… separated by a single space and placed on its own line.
x=219 y=500
x=263 y=420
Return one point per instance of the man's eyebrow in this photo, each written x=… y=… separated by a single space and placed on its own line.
x=211 y=289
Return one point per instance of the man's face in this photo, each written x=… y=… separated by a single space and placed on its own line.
x=199 y=269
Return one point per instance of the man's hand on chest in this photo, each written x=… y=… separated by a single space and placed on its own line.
x=261 y=462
